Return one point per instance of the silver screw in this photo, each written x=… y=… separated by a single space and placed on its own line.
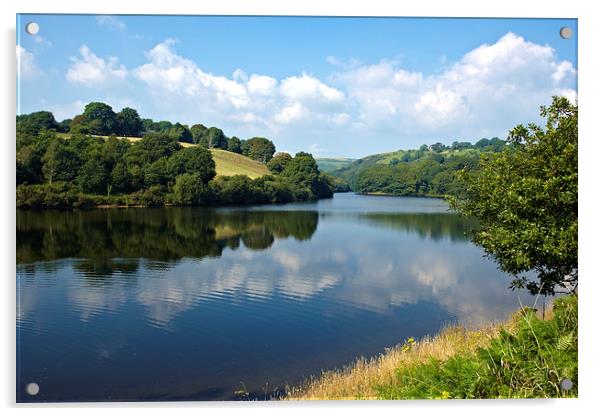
x=32 y=28
x=32 y=389
x=566 y=32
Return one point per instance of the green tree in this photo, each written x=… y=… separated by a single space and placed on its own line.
x=197 y=132
x=525 y=198
x=35 y=122
x=194 y=160
x=121 y=178
x=93 y=177
x=101 y=118
x=302 y=172
x=214 y=138
x=279 y=162
x=259 y=148
x=188 y=189
x=129 y=123
x=234 y=145
x=180 y=133
x=60 y=162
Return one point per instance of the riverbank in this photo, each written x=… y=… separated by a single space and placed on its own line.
x=527 y=356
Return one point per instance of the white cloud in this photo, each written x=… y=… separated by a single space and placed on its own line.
x=255 y=101
x=26 y=64
x=111 y=22
x=92 y=71
x=484 y=93
x=306 y=88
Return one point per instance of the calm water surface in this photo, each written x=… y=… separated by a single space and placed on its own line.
x=197 y=304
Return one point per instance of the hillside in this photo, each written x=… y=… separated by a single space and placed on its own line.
x=229 y=164
x=226 y=163
x=429 y=170
x=330 y=164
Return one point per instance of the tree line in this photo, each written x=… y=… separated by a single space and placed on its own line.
x=99 y=119
x=430 y=170
x=86 y=169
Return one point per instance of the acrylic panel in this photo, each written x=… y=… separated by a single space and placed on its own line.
x=294 y=208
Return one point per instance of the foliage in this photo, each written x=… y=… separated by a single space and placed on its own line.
x=81 y=170
x=234 y=145
x=277 y=164
x=214 y=138
x=258 y=148
x=302 y=171
x=36 y=122
x=529 y=361
x=129 y=122
x=193 y=160
x=189 y=189
x=197 y=131
x=526 y=200
x=410 y=172
x=100 y=118
x=180 y=133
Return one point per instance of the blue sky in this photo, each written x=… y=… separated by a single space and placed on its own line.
x=332 y=86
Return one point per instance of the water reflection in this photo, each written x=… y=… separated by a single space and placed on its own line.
x=266 y=294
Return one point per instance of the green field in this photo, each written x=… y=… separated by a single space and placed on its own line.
x=226 y=163
x=229 y=164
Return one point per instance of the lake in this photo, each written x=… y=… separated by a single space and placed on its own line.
x=203 y=304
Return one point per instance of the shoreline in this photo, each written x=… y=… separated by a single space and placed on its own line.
x=385 y=376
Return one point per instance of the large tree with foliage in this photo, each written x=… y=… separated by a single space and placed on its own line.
x=101 y=118
x=194 y=160
x=34 y=123
x=258 y=148
x=525 y=198
x=214 y=138
x=278 y=162
x=129 y=122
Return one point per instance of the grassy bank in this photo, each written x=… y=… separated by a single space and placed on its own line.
x=528 y=356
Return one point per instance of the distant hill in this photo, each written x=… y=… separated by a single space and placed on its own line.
x=428 y=170
x=329 y=164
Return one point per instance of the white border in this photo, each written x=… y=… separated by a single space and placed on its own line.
x=590 y=35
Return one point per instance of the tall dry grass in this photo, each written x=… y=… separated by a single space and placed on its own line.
x=359 y=380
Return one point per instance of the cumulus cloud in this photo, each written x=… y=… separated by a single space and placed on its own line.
x=27 y=66
x=90 y=70
x=258 y=100
x=484 y=93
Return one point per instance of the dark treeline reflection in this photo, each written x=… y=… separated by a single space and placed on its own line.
x=105 y=239
x=435 y=226
x=113 y=240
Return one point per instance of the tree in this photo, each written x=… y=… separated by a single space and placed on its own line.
x=258 y=148
x=197 y=132
x=525 y=198
x=195 y=160
x=93 y=177
x=188 y=189
x=302 y=172
x=234 y=145
x=279 y=162
x=79 y=125
x=60 y=162
x=214 y=138
x=35 y=122
x=180 y=133
x=101 y=118
x=129 y=122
